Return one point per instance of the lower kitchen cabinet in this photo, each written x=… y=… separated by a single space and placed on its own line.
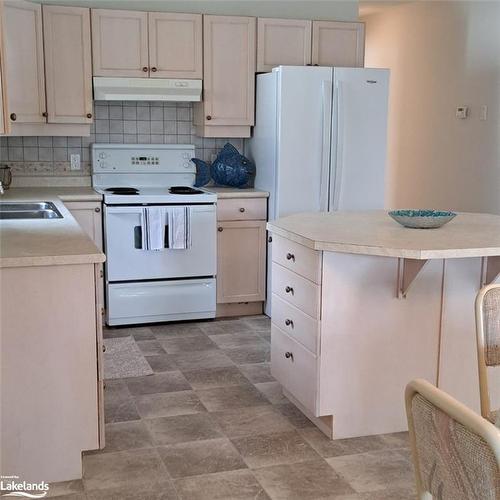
x=241 y=256
x=88 y=215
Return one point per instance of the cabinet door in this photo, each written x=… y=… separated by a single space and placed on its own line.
x=338 y=44
x=175 y=45
x=120 y=43
x=68 y=70
x=4 y=124
x=24 y=66
x=241 y=261
x=88 y=215
x=229 y=70
x=283 y=42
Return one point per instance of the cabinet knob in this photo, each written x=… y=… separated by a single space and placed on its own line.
x=45 y=114
x=89 y=115
x=145 y=69
x=270 y=239
x=209 y=117
x=289 y=322
x=103 y=348
x=220 y=229
x=101 y=274
x=97 y=209
x=154 y=70
x=242 y=209
x=289 y=289
x=290 y=256
x=289 y=355
x=13 y=117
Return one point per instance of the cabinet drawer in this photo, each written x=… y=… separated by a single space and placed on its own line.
x=295 y=368
x=298 y=258
x=242 y=209
x=296 y=290
x=295 y=323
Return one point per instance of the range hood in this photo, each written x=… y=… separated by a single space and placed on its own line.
x=146 y=89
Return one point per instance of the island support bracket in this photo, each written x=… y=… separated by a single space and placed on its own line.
x=491 y=270
x=408 y=270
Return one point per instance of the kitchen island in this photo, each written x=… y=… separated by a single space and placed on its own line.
x=362 y=305
x=51 y=387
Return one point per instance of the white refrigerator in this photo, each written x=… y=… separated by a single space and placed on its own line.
x=319 y=141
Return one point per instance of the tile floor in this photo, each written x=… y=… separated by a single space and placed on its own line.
x=211 y=423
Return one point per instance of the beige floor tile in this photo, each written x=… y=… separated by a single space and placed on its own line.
x=202 y=359
x=273 y=449
x=234 y=485
x=389 y=494
x=187 y=344
x=234 y=340
x=372 y=471
x=119 y=409
x=157 y=383
x=294 y=415
x=272 y=392
x=256 y=353
x=126 y=436
x=161 y=490
x=215 y=377
x=339 y=447
x=397 y=440
x=123 y=468
x=201 y=457
x=258 y=322
x=162 y=363
x=169 y=330
x=225 y=326
x=150 y=347
x=257 y=372
x=252 y=421
x=169 y=404
x=233 y=396
x=65 y=488
x=183 y=428
x=302 y=481
x=116 y=388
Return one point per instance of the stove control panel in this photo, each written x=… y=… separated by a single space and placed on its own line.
x=145 y=160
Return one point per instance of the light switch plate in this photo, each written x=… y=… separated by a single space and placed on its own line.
x=75 y=162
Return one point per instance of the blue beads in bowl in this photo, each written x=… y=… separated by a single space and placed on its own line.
x=422 y=219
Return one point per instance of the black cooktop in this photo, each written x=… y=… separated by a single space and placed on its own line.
x=123 y=190
x=184 y=190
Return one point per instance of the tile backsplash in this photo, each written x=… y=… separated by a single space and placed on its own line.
x=126 y=122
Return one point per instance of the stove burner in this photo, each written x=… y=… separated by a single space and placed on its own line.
x=184 y=190
x=123 y=190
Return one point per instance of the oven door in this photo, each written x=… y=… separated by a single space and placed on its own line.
x=125 y=259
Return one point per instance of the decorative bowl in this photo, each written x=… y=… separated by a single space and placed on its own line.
x=422 y=219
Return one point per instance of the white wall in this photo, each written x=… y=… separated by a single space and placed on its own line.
x=441 y=55
x=341 y=10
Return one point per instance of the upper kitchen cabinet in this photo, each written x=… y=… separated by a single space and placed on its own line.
x=338 y=44
x=120 y=43
x=4 y=122
x=142 y=44
x=283 y=42
x=175 y=45
x=68 y=67
x=227 y=109
x=24 y=64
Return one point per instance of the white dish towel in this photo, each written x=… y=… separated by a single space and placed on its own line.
x=153 y=228
x=179 y=228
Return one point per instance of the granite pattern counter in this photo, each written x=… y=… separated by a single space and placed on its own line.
x=45 y=242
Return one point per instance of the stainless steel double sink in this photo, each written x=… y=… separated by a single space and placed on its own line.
x=29 y=210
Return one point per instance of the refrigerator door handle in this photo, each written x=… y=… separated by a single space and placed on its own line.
x=336 y=183
x=325 y=143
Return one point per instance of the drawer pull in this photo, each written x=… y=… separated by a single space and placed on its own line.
x=289 y=322
x=290 y=256
x=103 y=348
x=270 y=239
x=289 y=289
x=242 y=209
x=220 y=229
x=289 y=355
x=145 y=69
x=97 y=210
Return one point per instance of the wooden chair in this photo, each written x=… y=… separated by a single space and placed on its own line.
x=456 y=452
x=488 y=343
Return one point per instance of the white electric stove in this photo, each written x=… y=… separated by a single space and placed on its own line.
x=144 y=286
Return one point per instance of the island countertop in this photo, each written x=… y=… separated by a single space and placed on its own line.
x=43 y=242
x=375 y=233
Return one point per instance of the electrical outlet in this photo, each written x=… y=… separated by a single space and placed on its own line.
x=483 y=114
x=75 y=161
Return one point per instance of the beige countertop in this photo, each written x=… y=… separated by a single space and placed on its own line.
x=375 y=233
x=45 y=242
x=228 y=192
